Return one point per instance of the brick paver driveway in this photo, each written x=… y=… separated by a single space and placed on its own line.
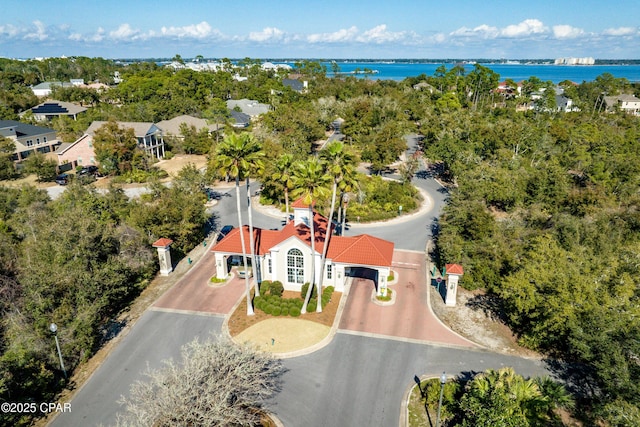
x=195 y=292
x=410 y=317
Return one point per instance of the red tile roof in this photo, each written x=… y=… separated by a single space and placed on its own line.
x=454 y=269
x=363 y=249
x=162 y=243
x=299 y=203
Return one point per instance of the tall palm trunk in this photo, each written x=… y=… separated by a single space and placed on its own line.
x=286 y=204
x=344 y=217
x=244 y=251
x=254 y=265
x=313 y=264
x=325 y=246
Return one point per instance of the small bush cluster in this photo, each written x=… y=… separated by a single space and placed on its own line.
x=267 y=287
x=272 y=303
x=382 y=199
x=140 y=175
x=278 y=306
x=305 y=288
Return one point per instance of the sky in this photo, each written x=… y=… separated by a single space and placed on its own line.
x=326 y=29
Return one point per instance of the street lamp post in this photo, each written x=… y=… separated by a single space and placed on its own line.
x=443 y=380
x=54 y=328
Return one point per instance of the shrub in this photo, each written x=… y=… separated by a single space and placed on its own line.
x=305 y=287
x=294 y=312
x=276 y=311
x=277 y=288
x=265 y=287
x=273 y=299
x=312 y=305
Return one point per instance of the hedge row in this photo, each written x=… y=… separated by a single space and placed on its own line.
x=272 y=303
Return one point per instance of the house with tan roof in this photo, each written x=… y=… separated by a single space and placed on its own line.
x=285 y=254
x=78 y=153
x=149 y=136
x=626 y=103
x=82 y=153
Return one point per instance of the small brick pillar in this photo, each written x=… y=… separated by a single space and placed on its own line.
x=453 y=273
x=164 y=255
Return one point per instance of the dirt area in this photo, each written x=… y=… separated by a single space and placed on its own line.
x=476 y=317
x=173 y=166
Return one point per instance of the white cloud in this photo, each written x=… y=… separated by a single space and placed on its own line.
x=343 y=35
x=482 y=31
x=267 y=34
x=567 y=32
x=621 y=31
x=525 y=28
x=197 y=31
x=97 y=37
x=124 y=32
x=379 y=34
x=438 y=38
x=40 y=32
x=9 y=30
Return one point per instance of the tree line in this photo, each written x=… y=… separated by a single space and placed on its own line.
x=543 y=213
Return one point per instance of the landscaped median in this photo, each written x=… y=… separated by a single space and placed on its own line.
x=270 y=329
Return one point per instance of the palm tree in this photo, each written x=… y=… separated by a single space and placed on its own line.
x=349 y=183
x=284 y=175
x=310 y=182
x=233 y=156
x=339 y=162
x=255 y=166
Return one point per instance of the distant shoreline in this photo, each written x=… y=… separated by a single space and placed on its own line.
x=500 y=61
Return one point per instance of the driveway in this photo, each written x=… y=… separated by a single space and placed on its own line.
x=410 y=317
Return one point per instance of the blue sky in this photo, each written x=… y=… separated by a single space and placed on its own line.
x=324 y=29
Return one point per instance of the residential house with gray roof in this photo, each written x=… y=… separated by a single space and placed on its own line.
x=28 y=139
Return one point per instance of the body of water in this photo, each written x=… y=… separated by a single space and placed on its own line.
x=517 y=72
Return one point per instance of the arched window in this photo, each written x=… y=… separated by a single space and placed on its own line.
x=295 y=266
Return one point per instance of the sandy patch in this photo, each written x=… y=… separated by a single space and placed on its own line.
x=175 y=164
x=282 y=335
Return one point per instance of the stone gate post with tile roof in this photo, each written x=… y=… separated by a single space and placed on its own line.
x=453 y=273
x=164 y=255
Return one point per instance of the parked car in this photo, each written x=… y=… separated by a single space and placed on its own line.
x=63 y=179
x=224 y=231
x=89 y=170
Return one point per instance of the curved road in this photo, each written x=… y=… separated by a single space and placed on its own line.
x=358 y=379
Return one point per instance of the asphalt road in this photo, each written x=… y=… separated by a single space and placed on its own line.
x=354 y=381
x=360 y=381
x=155 y=337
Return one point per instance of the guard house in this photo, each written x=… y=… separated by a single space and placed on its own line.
x=285 y=255
x=453 y=274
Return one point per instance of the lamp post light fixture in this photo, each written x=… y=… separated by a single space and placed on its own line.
x=54 y=328
x=443 y=380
